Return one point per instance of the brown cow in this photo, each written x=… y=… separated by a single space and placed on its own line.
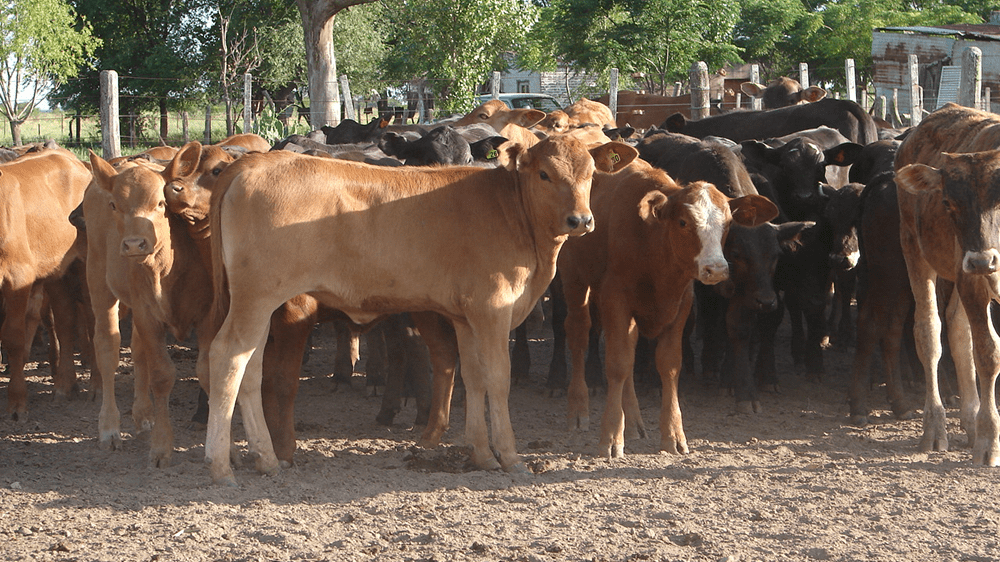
x=512 y=124
x=653 y=241
x=250 y=141
x=142 y=256
x=782 y=92
x=392 y=240
x=948 y=173
x=38 y=192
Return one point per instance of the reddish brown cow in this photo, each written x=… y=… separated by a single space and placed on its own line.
x=639 y=266
x=512 y=124
x=144 y=257
x=37 y=194
x=426 y=240
x=948 y=173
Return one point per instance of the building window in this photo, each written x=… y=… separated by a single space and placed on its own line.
x=523 y=86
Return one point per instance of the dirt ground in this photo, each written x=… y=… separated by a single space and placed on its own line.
x=795 y=482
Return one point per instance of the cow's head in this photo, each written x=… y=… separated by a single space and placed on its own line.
x=967 y=188
x=191 y=176
x=753 y=253
x=553 y=123
x=554 y=178
x=137 y=204
x=496 y=114
x=782 y=92
x=696 y=220
x=843 y=213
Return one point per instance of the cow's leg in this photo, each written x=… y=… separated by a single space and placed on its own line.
x=14 y=341
x=557 y=368
x=985 y=438
x=962 y=347
x=927 y=336
x=346 y=354
x=577 y=327
x=142 y=405
x=393 y=347
x=161 y=375
x=520 y=356
x=64 y=320
x=486 y=373
x=620 y=337
x=236 y=348
x=291 y=325
x=740 y=324
x=107 y=345
x=440 y=338
x=668 y=362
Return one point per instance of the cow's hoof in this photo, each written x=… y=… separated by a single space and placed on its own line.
x=674 y=447
x=579 y=423
x=284 y=464
x=931 y=442
x=986 y=452
x=159 y=459
x=385 y=417
x=745 y=407
x=635 y=432
x=859 y=420
x=111 y=441
x=904 y=413
x=19 y=417
x=485 y=461
x=517 y=468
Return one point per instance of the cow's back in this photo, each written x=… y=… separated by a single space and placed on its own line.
x=952 y=129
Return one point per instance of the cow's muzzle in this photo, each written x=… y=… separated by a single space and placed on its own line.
x=580 y=224
x=981 y=263
x=136 y=247
x=713 y=273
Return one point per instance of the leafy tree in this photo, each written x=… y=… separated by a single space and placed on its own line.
x=770 y=31
x=455 y=43
x=158 y=49
x=41 y=44
x=654 y=40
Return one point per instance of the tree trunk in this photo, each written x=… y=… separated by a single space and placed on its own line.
x=164 y=121
x=15 y=132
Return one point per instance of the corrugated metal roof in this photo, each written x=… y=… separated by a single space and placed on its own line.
x=981 y=32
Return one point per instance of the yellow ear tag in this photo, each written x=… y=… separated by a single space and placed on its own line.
x=493 y=154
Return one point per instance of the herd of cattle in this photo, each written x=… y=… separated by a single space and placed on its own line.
x=457 y=229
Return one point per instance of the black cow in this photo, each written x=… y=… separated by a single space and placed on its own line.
x=350 y=131
x=442 y=145
x=843 y=115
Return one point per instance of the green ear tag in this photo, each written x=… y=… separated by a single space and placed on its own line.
x=614 y=157
x=493 y=154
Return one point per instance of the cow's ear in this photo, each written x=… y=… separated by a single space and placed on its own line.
x=184 y=163
x=755 y=150
x=919 y=178
x=103 y=172
x=613 y=156
x=512 y=156
x=752 y=210
x=675 y=123
x=812 y=93
x=752 y=89
x=790 y=235
x=653 y=206
x=528 y=118
x=843 y=154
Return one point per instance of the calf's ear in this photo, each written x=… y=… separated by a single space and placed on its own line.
x=812 y=93
x=103 y=172
x=184 y=163
x=919 y=178
x=752 y=210
x=528 y=118
x=613 y=156
x=653 y=206
x=510 y=153
x=790 y=235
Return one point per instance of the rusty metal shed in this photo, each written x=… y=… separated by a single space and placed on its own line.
x=935 y=47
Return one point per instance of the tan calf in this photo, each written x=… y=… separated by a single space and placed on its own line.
x=38 y=191
x=477 y=246
x=948 y=172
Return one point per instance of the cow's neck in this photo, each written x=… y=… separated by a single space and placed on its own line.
x=201 y=233
x=159 y=271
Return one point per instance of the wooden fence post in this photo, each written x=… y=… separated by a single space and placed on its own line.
x=208 y=124
x=987 y=104
x=756 y=104
x=495 y=85
x=613 y=92
x=804 y=74
x=916 y=101
x=111 y=142
x=700 y=103
x=247 y=102
x=972 y=77
x=184 y=126
x=852 y=93
x=345 y=86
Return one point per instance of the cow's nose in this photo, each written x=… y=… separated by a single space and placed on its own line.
x=580 y=222
x=135 y=246
x=981 y=263
x=713 y=273
x=767 y=303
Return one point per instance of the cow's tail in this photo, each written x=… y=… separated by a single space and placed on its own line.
x=220 y=281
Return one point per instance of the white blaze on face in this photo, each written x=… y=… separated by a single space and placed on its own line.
x=710 y=223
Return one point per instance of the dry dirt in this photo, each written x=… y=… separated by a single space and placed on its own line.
x=796 y=482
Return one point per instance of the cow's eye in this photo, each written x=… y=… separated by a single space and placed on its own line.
x=543 y=175
x=683 y=223
x=216 y=171
x=113 y=208
x=947 y=204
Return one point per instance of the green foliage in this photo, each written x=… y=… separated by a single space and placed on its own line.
x=657 y=40
x=42 y=42
x=455 y=44
x=269 y=126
